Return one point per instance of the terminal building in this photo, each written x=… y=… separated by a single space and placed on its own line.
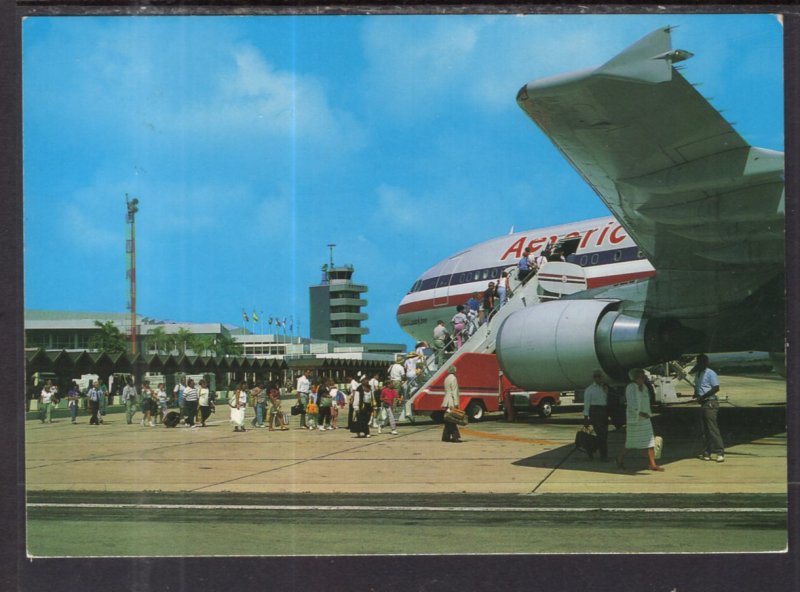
x=55 y=338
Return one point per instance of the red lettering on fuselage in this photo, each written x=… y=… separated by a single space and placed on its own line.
x=536 y=244
x=515 y=249
x=614 y=236
x=612 y=233
x=586 y=236
x=602 y=236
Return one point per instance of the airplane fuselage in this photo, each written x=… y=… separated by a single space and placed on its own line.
x=603 y=249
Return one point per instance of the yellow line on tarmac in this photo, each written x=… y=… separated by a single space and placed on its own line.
x=769 y=440
x=509 y=438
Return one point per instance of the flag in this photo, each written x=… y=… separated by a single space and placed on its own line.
x=269 y=320
x=255 y=316
x=277 y=322
x=244 y=316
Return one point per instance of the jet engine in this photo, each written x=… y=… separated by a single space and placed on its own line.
x=556 y=345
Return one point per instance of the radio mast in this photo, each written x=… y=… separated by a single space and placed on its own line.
x=130 y=250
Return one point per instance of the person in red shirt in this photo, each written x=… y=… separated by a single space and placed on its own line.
x=388 y=397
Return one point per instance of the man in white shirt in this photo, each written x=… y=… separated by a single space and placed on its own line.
x=439 y=340
x=396 y=372
x=303 y=393
x=129 y=397
x=410 y=366
x=46 y=402
x=706 y=387
x=595 y=411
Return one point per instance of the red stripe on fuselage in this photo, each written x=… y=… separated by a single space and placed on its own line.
x=456 y=299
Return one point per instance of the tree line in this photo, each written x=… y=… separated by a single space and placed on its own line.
x=110 y=339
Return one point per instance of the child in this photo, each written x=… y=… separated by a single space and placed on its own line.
x=312 y=409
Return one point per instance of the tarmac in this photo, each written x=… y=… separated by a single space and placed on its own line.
x=528 y=456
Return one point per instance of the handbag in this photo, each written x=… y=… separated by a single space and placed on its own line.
x=296 y=409
x=312 y=408
x=658 y=446
x=456 y=416
x=587 y=440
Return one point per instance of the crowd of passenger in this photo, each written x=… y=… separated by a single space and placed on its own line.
x=368 y=405
x=363 y=402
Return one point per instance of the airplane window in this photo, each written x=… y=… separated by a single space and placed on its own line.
x=461 y=278
x=494 y=273
x=640 y=255
x=595 y=258
x=485 y=274
x=584 y=260
x=617 y=255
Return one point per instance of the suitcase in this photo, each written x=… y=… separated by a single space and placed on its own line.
x=587 y=441
x=172 y=419
x=456 y=416
x=659 y=446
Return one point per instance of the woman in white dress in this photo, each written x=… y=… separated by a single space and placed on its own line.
x=639 y=433
x=238 y=404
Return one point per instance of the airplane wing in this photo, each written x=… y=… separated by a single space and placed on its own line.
x=686 y=186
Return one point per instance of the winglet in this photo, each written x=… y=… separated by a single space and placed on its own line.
x=648 y=60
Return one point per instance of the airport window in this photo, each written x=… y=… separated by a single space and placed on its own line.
x=36 y=340
x=595 y=258
x=617 y=256
x=62 y=341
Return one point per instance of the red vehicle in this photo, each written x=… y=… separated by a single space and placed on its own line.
x=483 y=389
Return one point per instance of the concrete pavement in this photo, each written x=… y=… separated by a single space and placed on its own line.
x=530 y=456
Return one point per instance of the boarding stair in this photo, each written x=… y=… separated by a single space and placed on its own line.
x=484 y=338
x=552 y=281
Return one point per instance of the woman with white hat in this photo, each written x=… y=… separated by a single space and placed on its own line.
x=639 y=433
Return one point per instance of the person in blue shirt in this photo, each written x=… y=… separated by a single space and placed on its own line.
x=706 y=387
x=523 y=266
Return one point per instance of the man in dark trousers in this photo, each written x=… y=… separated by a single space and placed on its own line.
x=595 y=411
x=706 y=387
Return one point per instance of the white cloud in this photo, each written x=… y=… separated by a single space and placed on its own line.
x=414 y=61
x=396 y=208
x=257 y=98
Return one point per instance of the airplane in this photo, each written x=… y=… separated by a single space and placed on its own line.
x=691 y=261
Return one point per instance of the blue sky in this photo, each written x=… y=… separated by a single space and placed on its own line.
x=253 y=142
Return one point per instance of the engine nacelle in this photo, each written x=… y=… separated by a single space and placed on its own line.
x=556 y=345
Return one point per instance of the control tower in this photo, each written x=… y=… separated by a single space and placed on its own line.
x=336 y=305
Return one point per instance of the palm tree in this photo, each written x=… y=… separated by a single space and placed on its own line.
x=227 y=345
x=158 y=340
x=182 y=338
x=200 y=344
x=109 y=339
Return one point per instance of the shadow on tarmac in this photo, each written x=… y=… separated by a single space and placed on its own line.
x=680 y=428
